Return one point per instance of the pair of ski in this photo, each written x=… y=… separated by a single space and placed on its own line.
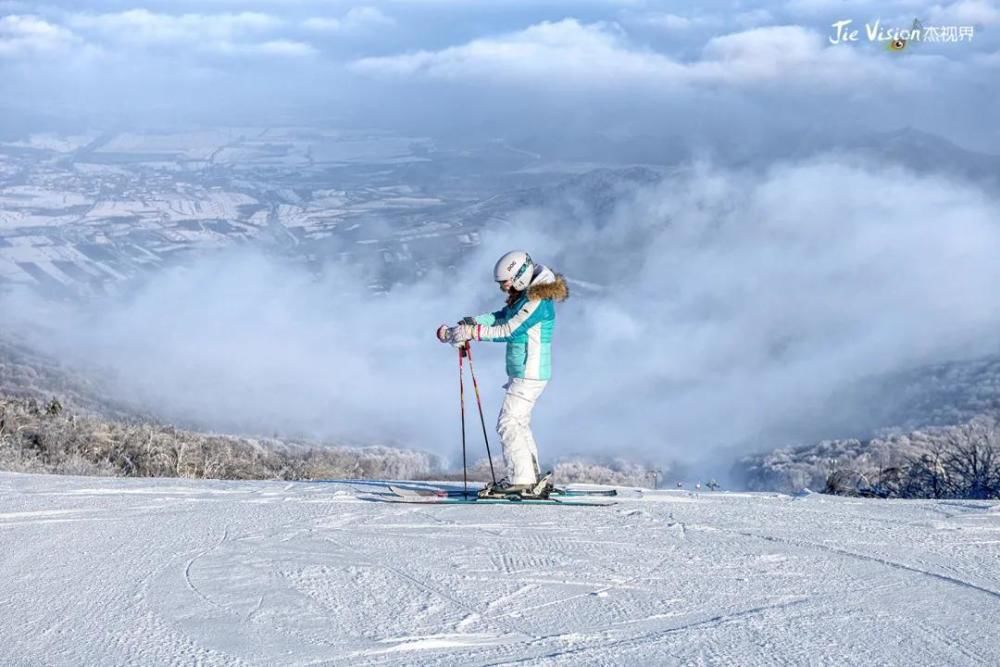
x=457 y=497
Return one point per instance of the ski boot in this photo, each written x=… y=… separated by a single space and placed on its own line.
x=543 y=487
x=504 y=489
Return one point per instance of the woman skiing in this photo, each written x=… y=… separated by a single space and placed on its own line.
x=525 y=323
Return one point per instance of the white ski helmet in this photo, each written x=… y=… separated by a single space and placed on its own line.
x=517 y=267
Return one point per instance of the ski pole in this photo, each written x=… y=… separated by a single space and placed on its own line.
x=482 y=420
x=461 y=398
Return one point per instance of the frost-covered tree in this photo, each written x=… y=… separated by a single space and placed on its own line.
x=954 y=462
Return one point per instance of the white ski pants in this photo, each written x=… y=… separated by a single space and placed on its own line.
x=514 y=427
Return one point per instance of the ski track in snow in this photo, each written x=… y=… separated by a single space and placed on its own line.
x=177 y=572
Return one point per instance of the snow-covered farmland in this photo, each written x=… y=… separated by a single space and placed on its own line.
x=196 y=144
x=33 y=196
x=112 y=571
x=59 y=143
x=174 y=207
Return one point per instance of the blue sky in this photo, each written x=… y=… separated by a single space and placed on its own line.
x=634 y=65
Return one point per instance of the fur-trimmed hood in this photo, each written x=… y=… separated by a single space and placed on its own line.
x=555 y=288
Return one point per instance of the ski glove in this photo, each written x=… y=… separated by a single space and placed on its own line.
x=457 y=335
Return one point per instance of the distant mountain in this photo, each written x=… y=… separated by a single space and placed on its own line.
x=924 y=152
x=914 y=149
x=911 y=413
x=56 y=419
x=941 y=394
x=28 y=374
x=593 y=195
x=960 y=461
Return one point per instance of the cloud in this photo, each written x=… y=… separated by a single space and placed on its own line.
x=358 y=18
x=599 y=54
x=241 y=341
x=503 y=63
x=960 y=12
x=734 y=305
x=754 y=18
x=282 y=47
x=989 y=59
x=225 y=33
x=965 y=12
x=817 y=7
x=544 y=53
x=668 y=21
x=676 y=24
x=765 y=52
x=144 y=26
x=788 y=53
x=30 y=35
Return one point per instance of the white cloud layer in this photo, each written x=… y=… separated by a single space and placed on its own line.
x=25 y=35
x=735 y=304
x=242 y=33
x=356 y=19
x=599 y=54
x=145 y=27
x=668 y=21
x=966 y=12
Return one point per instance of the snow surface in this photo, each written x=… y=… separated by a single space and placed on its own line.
x=157 y=572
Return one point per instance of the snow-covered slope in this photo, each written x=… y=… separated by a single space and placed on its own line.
x=156 y=572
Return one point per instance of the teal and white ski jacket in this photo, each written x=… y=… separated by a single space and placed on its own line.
x=526 y=326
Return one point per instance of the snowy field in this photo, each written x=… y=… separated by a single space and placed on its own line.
x=100 y=571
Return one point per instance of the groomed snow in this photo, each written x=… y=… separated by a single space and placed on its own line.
x=156 y=572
